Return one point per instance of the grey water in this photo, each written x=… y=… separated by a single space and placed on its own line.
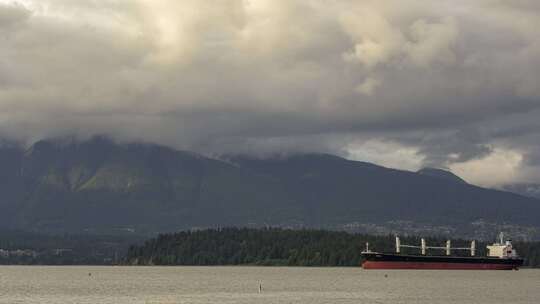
x=119 y=285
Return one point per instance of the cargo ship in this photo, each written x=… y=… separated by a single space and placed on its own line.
x=501 y=256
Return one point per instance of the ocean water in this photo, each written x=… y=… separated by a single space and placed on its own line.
x=70 y=284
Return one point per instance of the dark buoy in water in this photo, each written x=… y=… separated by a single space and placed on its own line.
x=385 y=275
x=89 y=274
x=260 y=287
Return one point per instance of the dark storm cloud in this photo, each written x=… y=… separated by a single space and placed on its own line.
x=444 y=83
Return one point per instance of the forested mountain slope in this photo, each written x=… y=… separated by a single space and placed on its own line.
x=101 y=186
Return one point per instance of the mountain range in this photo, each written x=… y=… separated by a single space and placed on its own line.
x=100 y=186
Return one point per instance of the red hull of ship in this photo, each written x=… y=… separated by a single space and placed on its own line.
x=434 y=265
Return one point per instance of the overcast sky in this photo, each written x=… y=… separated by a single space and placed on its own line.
x=405 y=83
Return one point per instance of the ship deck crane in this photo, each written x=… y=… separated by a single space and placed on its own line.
x=423 y=247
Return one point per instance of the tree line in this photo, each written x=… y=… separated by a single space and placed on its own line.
x=282 y=247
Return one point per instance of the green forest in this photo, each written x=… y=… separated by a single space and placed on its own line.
x=281 y=247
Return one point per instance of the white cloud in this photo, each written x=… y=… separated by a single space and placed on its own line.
x=12 y=15
x=432 y=42
x=498 y=168
x=386 y=153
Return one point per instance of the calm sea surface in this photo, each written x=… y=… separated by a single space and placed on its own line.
x=36 y=284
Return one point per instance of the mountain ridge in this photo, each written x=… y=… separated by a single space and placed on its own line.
x=441 y=173
x=101 y=186
x=525 y=189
